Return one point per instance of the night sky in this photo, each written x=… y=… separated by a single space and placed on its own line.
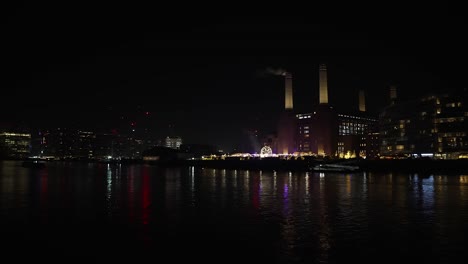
x=200 y=74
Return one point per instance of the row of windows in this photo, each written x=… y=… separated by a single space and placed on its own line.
x=357 y=117
x=454 y=134
x=449 y=120
x=6 y=134
x=17 y=143
x=457 y=104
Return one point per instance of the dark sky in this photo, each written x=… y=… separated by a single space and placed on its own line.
x=199 y=73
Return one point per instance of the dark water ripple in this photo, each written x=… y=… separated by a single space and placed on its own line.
x=113 y=212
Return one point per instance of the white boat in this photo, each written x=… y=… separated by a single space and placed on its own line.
x=335 y=167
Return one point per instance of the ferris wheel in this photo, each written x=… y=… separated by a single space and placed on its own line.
x=265 y=151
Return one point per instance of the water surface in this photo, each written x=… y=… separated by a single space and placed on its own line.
x=111 y=212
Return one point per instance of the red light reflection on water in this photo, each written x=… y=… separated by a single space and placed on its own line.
x=146 y=201
x=131 y=194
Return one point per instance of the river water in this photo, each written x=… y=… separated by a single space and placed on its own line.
x=110 y=212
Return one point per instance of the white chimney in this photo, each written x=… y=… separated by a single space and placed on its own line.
x=323 y=92
x=288 y=96
x=362 y=101
x=393 y=94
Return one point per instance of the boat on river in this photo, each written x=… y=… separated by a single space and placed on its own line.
x=334 y=167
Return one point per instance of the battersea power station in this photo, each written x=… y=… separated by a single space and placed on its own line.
x=325 y=132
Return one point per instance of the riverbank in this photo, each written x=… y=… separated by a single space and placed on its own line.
x=387 y=165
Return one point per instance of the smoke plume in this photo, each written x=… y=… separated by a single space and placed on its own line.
x=279 y=71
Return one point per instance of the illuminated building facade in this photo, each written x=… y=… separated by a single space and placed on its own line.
x=15 y=145
x=432 y=126
x=372 y=144
x=357 y=136
x=84 y=145
x=317 y=132
x=173 y=142
x=337 y=135
x=58 y=143
x=131 y=147
x=304 y=135
x=75 y=144
x=327 y=133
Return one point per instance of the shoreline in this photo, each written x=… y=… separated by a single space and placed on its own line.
x=396 y=165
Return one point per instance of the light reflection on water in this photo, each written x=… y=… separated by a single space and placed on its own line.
x=289 y=217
